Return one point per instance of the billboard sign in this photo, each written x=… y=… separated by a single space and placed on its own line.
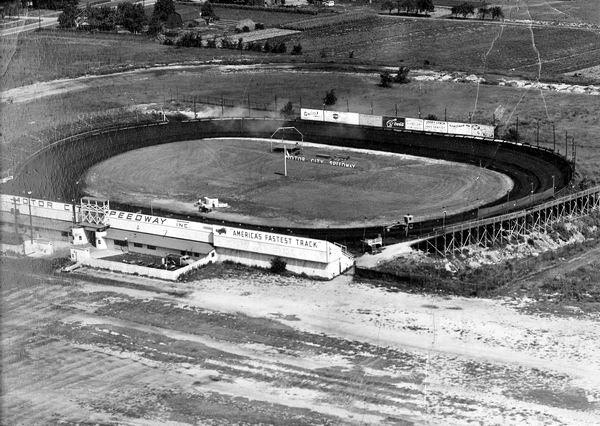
x=482 y=130
x=342 y=117
x=413 y=124
x=268 y=243
x=370 y=120
x=435 y=126
x=459 y=128
x=311 y=114
x=393 y=123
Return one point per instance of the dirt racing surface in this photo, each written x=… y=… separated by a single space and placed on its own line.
x=244 y=347
x=325 y=185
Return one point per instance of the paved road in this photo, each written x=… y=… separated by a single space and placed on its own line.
x=41 y=22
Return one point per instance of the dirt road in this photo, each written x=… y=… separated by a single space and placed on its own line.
x=254 y=348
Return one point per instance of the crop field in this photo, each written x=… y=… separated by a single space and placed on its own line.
x=412 y=42
x=247 y=176
x=270 y=19
x=563 y=11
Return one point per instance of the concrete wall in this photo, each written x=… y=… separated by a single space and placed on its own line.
x=126 y=268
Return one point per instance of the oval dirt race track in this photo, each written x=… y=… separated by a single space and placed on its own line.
x=246 y=174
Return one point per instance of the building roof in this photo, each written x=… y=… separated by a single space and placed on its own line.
x=159 y=241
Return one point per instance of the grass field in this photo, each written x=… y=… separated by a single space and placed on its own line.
x=247 y=176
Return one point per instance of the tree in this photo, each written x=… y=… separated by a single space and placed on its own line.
x=207 y=12
x=483 y=10
x=297 y=49
x=402 y=76
x=330 y=98
x=388 y=5
x=132 y=17
x=386 y=79
x=67 y=18
x=496 y=12
x=432 y=117
x=162 y=9
x=463 y=9
x=288 y=110
x=425 y=6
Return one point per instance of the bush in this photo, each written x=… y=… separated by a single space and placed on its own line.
x=402 y=76
x=297 y=49
x=288 y=110
x=278 y=265
x=259 y=26
x=385 y=79
x=330 y=98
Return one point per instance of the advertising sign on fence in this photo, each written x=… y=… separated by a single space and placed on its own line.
x=311 y=114
x=459 y=128
x=482 y=130
x=393 y=123
x=342 y=117
x=435 y=126
x=413 y=124
x=370 y=120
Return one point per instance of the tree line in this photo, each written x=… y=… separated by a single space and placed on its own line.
x=464 y=9
x=409 y=6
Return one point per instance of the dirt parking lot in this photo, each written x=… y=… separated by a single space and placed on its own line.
x=242 y=346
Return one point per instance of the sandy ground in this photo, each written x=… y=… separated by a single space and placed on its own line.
x=254 y=348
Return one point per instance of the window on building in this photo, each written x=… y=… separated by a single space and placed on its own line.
x=64 y=234
x=120 y=243
x=183 y=252
x=98 y=242
x=196 y=254
x=138 y=245
x=149 y=247
x=80 y=239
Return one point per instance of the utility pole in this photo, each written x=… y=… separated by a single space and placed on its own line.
x=566 y=143
x=396 y=109
x=574 y=151
x=16 y=212
x=554 y=136
x=285 y=161
x=537 y=133
x=30 y=218
x=517 y=128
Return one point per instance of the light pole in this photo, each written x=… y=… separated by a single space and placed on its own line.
x=30 y=218
x=444 y=220
x=151 y=209
x=553 y=186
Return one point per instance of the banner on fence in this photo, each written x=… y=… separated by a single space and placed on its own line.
x=342 y=117
x=311 y=114
x=459 y=128
x=413 y=124
x=393 y=123
x=482 y=130
x=370 y=120
x=435 y=126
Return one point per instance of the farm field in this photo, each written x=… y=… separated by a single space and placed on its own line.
x=240 y=346
x=247 y=176
x=563 y=11
x=73 y=105
x=479 y=47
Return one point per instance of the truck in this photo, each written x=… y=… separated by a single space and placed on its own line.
x=178 y=259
